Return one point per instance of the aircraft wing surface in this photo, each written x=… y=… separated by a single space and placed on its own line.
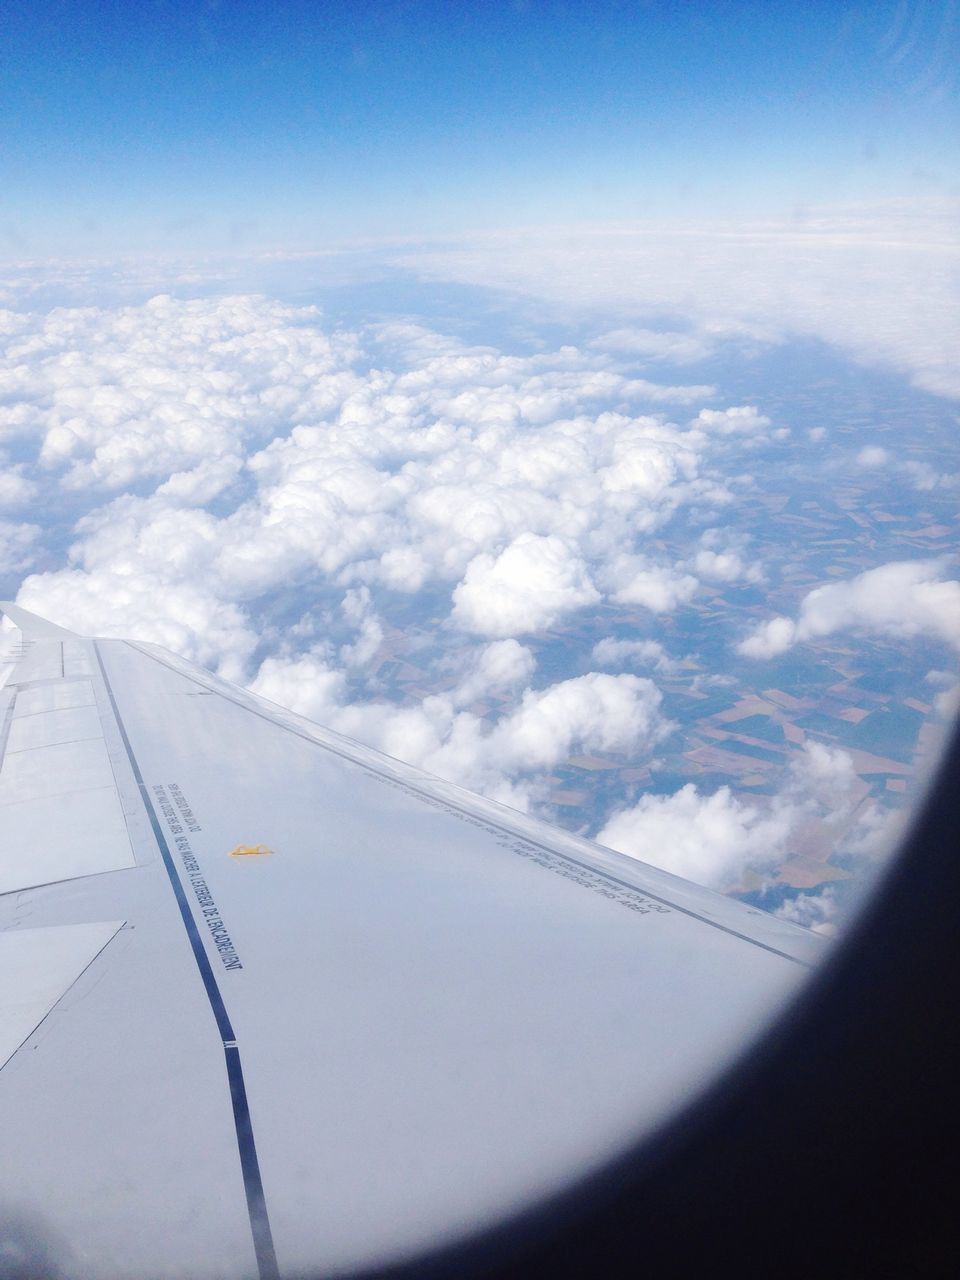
x=273 y=1003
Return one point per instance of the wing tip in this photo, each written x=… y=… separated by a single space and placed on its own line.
x=32 y=624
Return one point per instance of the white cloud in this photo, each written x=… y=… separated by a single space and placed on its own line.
x=824 y=774
x=114 y=396
x=529 y=586
x=180 y=615
x=904 y=599
x=947 y=701
x=718 y=566
x=740 y=420
x=710 y=839
x=876 y=831
x=499 y=667
x=659 y=588
x=17 y=546
x=654 y=344
x=202 y=483
x=770 y=639
x=518 y=484
x=924 y=477
x=358 y=610
x=16 y=490
x=721 y=557
x=642 y=653
x=305 y=684
x=715 y=838
x=816 y=911
x=595 y=712
x=506 y=758
x=877 y=282
x=872 y=455
x=403 y=568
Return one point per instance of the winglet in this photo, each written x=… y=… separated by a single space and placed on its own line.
x=30 y=624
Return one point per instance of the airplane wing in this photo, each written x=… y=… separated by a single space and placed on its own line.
x=273 y=1003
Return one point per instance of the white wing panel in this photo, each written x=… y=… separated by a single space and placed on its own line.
x=41 y=660
x=51 y=728
x=53 y=771
x=51 y=697
x=36 y=967
x=83 y=834
x=76 y=659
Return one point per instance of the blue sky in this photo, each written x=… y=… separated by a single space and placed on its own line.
x=186 y=126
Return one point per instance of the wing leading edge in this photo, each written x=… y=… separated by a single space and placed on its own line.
x=280 y=1003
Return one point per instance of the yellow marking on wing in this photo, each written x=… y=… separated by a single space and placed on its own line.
x=249 y=850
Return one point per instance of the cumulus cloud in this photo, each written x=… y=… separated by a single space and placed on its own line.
x=499 y=667
x=905 y=599
x=710 y=839
x=16 y=490
x=17 y=546
x=947 y=701
x=595 y=712
x=722 y=557
x=742 y=420
x=359 y=611
x=180 y=615
x=506 y=757
x=770 y=639
x=715 y=838
x=306 y=684
x=403 y=568
x=532 y=583
x=872 y=455
x=610 y=652
x=922 y=477
x=115 y=395
x=262 y=450
x=816 y=911
x=658 y=587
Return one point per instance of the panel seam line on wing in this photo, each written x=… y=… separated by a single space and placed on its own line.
x=63 y=994
x=65 y=742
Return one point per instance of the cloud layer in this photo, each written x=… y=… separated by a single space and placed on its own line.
x=487 y=563
x=877 y=282
x=255 y=451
